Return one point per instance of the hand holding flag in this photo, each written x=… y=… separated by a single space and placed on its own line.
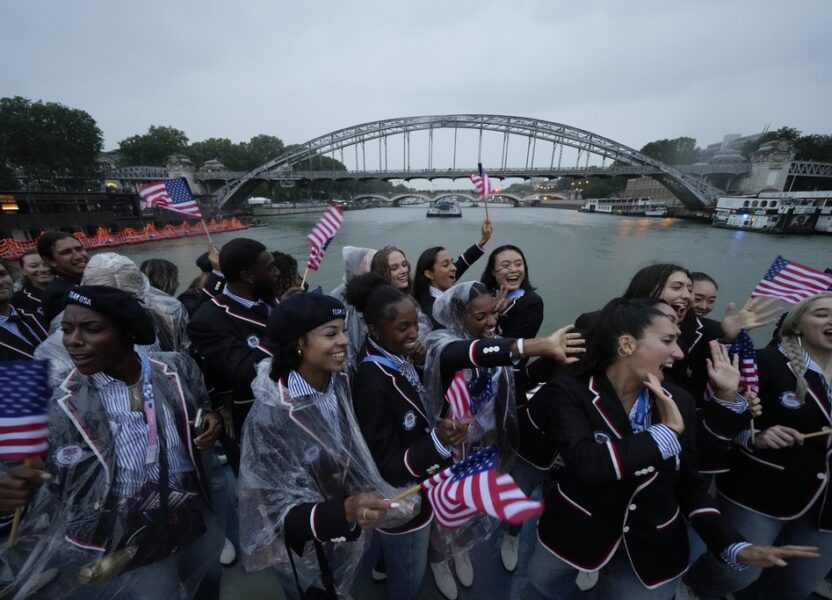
x=24 y=419
x=473 y=486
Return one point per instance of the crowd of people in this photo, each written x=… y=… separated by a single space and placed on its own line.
x=250 y=415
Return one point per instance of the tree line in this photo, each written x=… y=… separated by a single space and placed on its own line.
x=49 y=141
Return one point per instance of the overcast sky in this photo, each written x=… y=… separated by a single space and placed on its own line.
x=630 y=71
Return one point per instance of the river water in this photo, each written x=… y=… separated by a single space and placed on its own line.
x=577 y=261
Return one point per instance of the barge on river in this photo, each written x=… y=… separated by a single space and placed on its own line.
x=445 y=208
x=777 y=212
x=636 y=207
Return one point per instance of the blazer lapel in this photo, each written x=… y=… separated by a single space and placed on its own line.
x=400 y=383
x=18 y=348
x=238 y=311
x=606 y=403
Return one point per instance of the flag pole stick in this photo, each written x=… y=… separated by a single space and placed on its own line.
x=18 y=513
x=824 y=431
x=405 y=494
x=753 y=437
x=484 y=194
x=208 y=233
x=305 y=273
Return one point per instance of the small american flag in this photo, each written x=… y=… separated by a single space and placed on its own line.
x=792 y=282
x=173 y=194
x=24 y=422
x=459 y=399
x=321 y=235
x=749 y=376
x=482 y=183
x=474 y=486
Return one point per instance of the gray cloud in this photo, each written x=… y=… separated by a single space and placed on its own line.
x=629 y=71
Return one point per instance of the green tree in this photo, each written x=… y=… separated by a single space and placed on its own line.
x=814 y=147
x=222 y=149
x=154 y=147
x=47 y=140
x=677 y=151
x=261 y=149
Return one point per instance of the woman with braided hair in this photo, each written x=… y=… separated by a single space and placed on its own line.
x=776 y=490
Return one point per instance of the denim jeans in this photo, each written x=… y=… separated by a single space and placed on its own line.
x=710 y=578
x=405 y=558
x=555 y=580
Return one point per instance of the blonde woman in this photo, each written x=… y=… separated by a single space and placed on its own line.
x=776 y=491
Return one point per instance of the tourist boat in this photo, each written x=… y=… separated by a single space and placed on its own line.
x=444 y=208
x=776 y=212
x=635 y=207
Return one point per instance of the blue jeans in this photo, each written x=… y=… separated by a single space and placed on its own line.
x=710 y=578
x=405 y=558
x=554 y=579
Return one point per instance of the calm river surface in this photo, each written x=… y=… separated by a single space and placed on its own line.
x=577 y=261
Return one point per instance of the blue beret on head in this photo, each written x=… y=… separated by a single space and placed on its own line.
x=121 y=307
x=301 y=313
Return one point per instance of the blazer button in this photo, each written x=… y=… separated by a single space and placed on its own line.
x=632 y=507
x=821 y=475
x=427 y=429
x=638 y=473
x=626 y=529
x=651 y=469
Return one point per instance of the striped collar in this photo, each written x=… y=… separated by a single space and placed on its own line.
x=810 y=362
x=243 y=301
x=12 y=313
x=298 y=387
x=435 y=291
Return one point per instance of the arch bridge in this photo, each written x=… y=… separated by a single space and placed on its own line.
x=694 y=192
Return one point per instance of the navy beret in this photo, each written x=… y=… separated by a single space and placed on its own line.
x=121 y=307
x=301 y=313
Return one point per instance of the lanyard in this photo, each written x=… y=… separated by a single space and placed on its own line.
x=639 y=412
x=149 y=406
x=403 y=367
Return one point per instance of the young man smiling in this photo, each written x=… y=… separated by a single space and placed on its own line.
x=68 y=258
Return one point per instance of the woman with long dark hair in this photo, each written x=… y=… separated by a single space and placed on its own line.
x=672 y=283
x=507 y=276
x=308 y=483
x=777 y=486
x=629 y=483
x=395 y=418
x=436 y=270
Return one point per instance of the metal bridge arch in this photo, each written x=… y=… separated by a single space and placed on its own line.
x=693 y=192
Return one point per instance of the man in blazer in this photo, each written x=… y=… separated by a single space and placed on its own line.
x=68 y=258
x=228 y=332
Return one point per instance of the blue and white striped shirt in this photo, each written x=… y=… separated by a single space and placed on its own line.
x=13 y=328
x=326 y=401
x=129 y=431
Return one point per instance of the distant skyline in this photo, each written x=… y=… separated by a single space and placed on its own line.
x=632 y=72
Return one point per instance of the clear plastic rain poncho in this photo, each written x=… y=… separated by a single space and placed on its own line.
x=84 y=536
x=356 y=262
x=496 y=422
x=291 y=456
x=114 y=270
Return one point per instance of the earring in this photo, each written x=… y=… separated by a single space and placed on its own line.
x=300 y=352
x=799 y=340
x=622 y=353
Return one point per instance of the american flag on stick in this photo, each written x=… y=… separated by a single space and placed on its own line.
x=321 y=235
x=24 y=422
x=792 y=282
x=459 y=399
x=474 y=486
x=172 y=194
x=482 y=183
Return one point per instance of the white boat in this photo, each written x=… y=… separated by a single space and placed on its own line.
x=776 y=212
x=444 y=208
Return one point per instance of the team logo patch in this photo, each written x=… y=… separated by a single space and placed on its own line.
x=409 y=420
x=789 y=400
x=69 y=455
x=600 y=437
x=253 y=341
x=311 y=455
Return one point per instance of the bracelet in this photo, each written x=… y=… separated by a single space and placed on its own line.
x=520 y=349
